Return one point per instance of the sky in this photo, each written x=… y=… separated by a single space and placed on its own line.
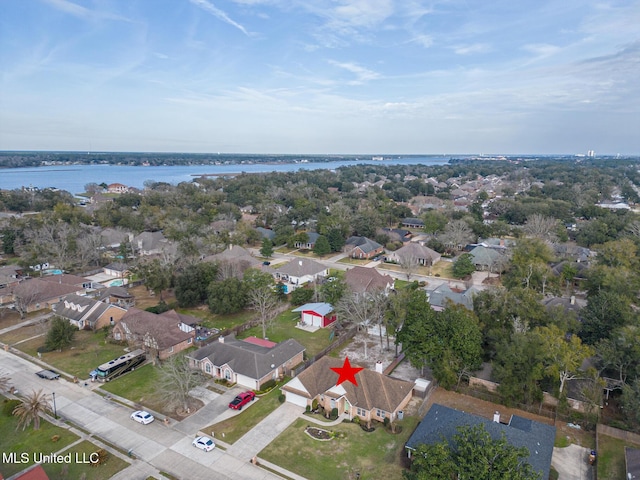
x=321 y=76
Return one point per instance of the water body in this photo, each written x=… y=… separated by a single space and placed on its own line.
x=73 y=178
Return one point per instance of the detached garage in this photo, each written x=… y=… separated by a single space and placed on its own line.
x=316 y=315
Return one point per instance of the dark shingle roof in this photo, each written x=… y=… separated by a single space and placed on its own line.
x=251 y=360
x=366 y=245
x=362 y=279
x=442 y=422
x=76 y=307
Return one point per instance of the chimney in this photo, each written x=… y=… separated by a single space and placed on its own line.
x=496 y=417
x=379 y=368
x=221 y=338
x=231 y=246
x=502 y=242
x=573 y=300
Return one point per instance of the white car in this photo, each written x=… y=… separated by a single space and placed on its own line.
x=142 y=417
x=204 y=443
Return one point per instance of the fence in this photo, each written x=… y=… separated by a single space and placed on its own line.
x=617 y=433
x=343 y=337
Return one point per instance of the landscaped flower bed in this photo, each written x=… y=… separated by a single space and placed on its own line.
x=319 y=433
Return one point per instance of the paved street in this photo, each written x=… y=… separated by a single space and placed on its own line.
x=163 y=448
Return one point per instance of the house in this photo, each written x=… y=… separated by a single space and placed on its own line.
x=119 y=296
x=412 y=223
x=362 y=279
x=163 y=335
x=376 y=397
x=362 y=247
x=112 y=238
x=234 y=254
x=10 y=275
x=414 y=252
x=316 y=314
x=632 y=462
x=443 y=294
x=117 y=270
x=298 y=272
x=117 y=188
x=441 y=423
x=488 y=259
x=36 y=294
x=151 y=243
x=312 y=238
x=86 y=313
x=266 y=233
x=67 y=279
x=249 y=364
x=396 y=234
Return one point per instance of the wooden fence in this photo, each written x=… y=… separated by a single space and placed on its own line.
x=617 y=433
x=343 y=337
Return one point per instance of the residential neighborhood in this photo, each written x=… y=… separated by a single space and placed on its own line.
x=453 y=305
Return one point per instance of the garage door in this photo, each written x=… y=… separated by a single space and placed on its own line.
x=296 y=399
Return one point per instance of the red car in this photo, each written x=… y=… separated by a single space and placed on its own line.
x=241 y=400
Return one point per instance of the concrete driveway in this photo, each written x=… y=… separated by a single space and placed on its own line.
x=164 y=448
x=572 y=463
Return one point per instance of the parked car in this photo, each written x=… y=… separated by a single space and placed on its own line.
x=204 y=443
x=142 y=417
x=48 y=374
x=241 y=400
x=266 y=262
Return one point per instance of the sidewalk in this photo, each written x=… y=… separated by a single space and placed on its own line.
x=26 y=323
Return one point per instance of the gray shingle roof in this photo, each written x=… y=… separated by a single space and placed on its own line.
x=301 y=267
x=253 y=361
x=76 y=307
x=441 y=422
x=366 y=245
x=362 y=279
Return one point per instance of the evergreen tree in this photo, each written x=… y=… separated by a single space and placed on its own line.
x=266 y=250
x=321 y=246
x=60 y=335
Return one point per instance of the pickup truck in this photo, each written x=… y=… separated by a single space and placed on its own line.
x=241 y=400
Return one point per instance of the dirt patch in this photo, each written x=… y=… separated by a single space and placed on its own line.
x=146 y=298
x=366 y=351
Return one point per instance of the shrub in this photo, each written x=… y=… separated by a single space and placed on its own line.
x=300 y=296
x=55 y=438
x=356 y=420
x=281 y=398
x=314 y=404
x=386 y=421
x=268 y=385
x=308 y=409
x=334 y=413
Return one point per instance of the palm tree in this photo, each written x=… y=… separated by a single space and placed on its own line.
x=4 y=383
x=31 y=408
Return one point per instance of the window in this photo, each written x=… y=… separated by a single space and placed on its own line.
x=207 y=367
x=190 y=341
x=227 y=374
x=361 y=412
x=171 y=350
x=381 y=413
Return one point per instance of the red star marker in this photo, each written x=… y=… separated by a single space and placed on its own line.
x=347 y=372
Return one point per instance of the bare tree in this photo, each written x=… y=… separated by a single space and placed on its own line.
x=457 y=234
x=541 y=226
x=4 y=383
x=88 y=248
x=33 y=405
x=231 y=269
x=409 y=265
x=176 y=379
x=364 y=309
x=264 y=301
x=24 y=294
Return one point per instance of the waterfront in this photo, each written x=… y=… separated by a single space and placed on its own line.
x=73 y=178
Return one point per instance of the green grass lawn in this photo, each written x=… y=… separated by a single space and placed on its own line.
x=88 y=351
x=354 y=261
x=29 y=441
x=80 y=453
x=284 y=327
x=231 y=429
x=611 y=463
x=139 y=387
x=374 y=455
x=221 y=322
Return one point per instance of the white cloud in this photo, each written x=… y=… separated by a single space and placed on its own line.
x=362 y=74
x=472 y=48
x=216 y=12
x=541 y=49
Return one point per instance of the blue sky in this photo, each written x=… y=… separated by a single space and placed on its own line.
x=321 y=76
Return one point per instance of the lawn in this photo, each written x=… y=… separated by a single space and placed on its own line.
x=29 y=441
x=443 y=269
x=88 y=351
x=354 y=261
x=611 y=463
x=235 y=427
x=82 y=453
x=284 y=327
x=139 y=387
x=373 y=455
x=23 y=333
x=221 y=322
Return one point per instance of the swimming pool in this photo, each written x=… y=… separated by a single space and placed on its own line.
x=53 y=271
x=116 y=283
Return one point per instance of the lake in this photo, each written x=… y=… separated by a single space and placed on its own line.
x=73 y=178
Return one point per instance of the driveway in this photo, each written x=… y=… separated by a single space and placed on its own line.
x=164 y=448
x=572 y=463
x=250 y=444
